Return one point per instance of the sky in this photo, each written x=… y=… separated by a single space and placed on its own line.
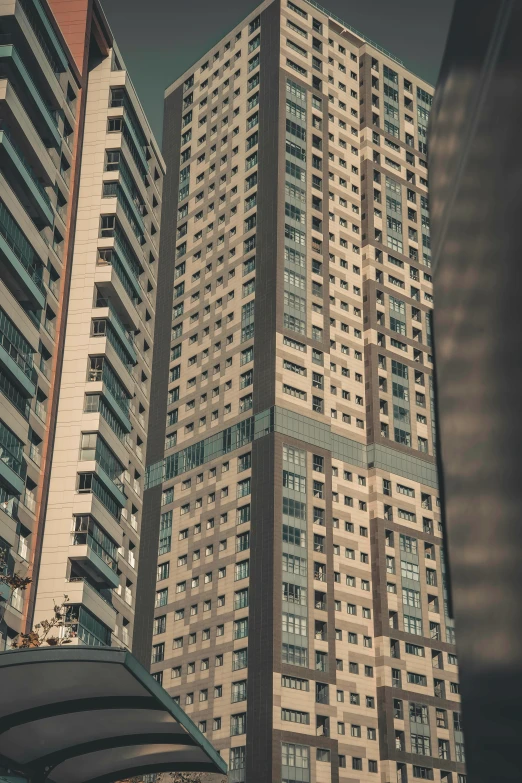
x=159 y=39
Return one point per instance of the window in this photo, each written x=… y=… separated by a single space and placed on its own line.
x=424 y=773
x=241 y=628
x=238 y=724
x=295 y=756
x=241 y=570
x=295 y=716
x=417 y=679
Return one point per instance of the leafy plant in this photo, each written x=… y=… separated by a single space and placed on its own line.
x=40 y=635
x=14 y=581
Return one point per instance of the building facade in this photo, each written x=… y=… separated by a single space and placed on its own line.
x=81 y=181
x=300 y=604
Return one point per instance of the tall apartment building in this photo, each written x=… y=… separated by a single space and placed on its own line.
x=300 y=605
x=80 y=194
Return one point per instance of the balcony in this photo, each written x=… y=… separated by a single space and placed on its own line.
x=91 y=484
x=29 y=500
x=12 y=465
x=41 y=115
x=23 y=267
x=120 y=192
x=121 y=275
x=84 y=623
x=120 y=99
x=125 y=336
x=103 y=470
x=35 y=454
x=93 y=558
x=45 y=35
x=17 y=600
x=24 y=181
x=113 y=392
x=17 y=359
x=40 y=410
x=80 y=591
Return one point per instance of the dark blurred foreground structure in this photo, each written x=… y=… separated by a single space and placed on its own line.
x=475 y=160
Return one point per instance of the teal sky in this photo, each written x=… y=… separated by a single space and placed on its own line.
x=159 y=39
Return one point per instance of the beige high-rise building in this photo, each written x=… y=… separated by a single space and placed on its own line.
x=80 y=200
x=301 y=602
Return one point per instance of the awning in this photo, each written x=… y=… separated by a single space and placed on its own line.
x=92 y=715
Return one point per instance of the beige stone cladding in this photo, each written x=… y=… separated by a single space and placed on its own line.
x=92 y=532
x=301 y=605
